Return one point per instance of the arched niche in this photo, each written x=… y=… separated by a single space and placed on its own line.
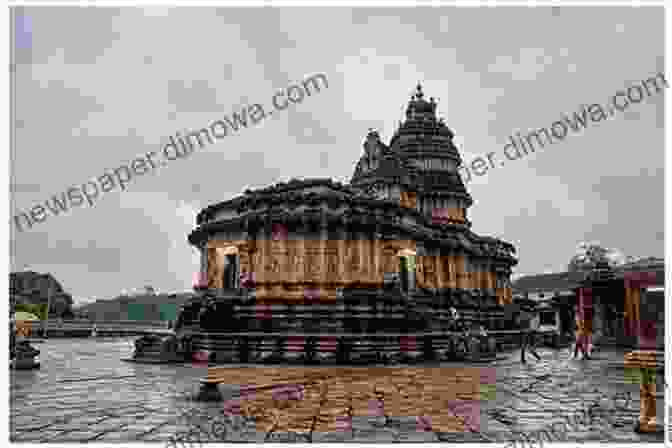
x=407 y=259
x=230 y=257
x=223 y=266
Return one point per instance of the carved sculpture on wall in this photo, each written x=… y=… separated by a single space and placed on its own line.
x=353 y=261
x=295 y=262
x=408 y=199
x=332 y=267
x=215 y=268
x=429 y=271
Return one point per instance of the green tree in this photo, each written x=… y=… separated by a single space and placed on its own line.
x=589 y=255
x=39 y=309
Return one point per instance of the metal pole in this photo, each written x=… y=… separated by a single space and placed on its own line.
x=46 y=327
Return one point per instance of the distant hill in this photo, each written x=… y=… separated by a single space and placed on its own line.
x=33 y=288
x=136 y=307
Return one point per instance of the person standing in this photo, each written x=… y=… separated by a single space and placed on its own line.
x=581 y=339
x=12 y=337
x=529 y=325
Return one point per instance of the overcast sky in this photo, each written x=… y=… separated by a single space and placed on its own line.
x=95 y=88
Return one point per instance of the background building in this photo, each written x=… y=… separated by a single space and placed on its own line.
x=620 y=303
x=31 y=288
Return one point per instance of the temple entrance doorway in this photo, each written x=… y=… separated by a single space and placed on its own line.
x=230 y=275
x=407 y=269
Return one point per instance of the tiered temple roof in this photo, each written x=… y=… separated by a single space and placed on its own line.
x=421 y=137
x=407 y=193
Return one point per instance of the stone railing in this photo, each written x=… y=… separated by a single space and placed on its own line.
x=34 y=328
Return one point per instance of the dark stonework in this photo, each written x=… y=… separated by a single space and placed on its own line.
x=366 y=294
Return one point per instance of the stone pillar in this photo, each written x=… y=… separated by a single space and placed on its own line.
x=420 y=270
x=365 y=256
x=363 y=249
x=483 y=280
x=423 y=279
x=646 y=362
x=472 y=275
x=389 y=259
x=324 y=249
x=350 y=262
x=355 y=255
x=441 y=273
x=244 y=263
x=432 y=275
x=373 y=272
x=452 y=284
x=463 y=267
x=631 y=309
x=377 y=258
x=332 y=260
x=644 y=366
x=217 y=264
x=204 y=258
x=303 y=226
x=459 y=271
x=263 y=291
x=343 y=246
x=210 y=263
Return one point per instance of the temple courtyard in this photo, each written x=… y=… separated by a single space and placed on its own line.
x=85 y=392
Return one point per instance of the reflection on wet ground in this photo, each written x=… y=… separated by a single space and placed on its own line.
x=85 y=392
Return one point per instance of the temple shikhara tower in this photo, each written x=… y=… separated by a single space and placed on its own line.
x=313 y=268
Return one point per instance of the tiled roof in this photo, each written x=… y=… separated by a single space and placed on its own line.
x=561 y=281
x=547 y=282
x=651 y=263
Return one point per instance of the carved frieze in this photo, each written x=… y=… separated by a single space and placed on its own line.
x=338 y=262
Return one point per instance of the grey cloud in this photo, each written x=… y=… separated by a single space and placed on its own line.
x=119 y=81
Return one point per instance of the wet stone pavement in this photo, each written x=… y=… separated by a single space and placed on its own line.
x=85 y=392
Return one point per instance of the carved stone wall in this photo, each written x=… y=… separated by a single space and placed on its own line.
x=449 y=272
x=294 y=268
x=448 y=214
x=216 y=252
x=504 y=296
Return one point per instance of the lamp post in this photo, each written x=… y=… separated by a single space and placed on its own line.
x=46 y=326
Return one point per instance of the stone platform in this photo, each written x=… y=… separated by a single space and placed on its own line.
x=85 y=393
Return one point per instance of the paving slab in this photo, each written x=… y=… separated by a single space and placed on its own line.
x=119 y=436
x=142 y=402
x=417 y=436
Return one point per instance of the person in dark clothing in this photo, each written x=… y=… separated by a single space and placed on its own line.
x=12 y=339
x=529 y=320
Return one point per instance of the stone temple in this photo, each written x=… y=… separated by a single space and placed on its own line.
x=314 y=270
